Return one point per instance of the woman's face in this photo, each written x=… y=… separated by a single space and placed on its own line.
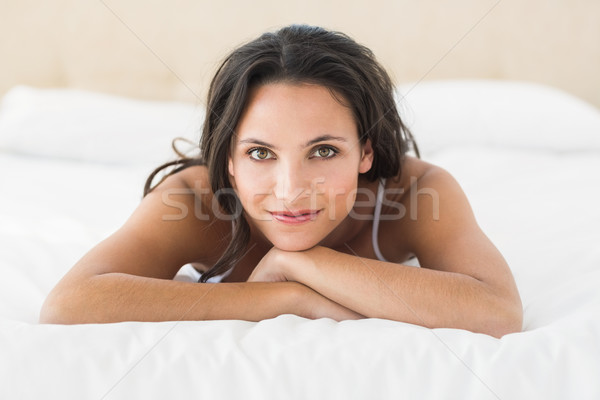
x=294 y=163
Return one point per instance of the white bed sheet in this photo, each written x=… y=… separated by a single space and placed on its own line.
x=539 y=209
x=538 y=205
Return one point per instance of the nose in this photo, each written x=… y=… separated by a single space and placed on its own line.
x=292 y=183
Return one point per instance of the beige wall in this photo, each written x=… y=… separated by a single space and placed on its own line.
x=169 y=49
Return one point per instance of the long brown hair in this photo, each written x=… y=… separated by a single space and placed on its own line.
x=295 y=54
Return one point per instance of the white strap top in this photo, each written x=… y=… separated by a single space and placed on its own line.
x=375 y=230
x=376 y=217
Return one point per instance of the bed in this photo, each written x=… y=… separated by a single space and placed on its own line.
x=73 y=164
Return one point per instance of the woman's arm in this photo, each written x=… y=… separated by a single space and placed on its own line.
x=464 y=281
x=128 y=276
x=94 y=291
x=115 y=297
x=422 y=296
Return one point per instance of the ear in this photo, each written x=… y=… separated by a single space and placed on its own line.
x=366 y=160
x=230 y=170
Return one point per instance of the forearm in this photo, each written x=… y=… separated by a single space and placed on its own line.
x=415 y=295
x=115 y=297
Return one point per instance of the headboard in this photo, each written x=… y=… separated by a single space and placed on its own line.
x=169 y=50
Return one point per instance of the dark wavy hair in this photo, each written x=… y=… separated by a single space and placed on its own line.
x=295 y=54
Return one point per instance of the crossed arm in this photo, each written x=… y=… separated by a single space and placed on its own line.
x=464 y=281
x=377 y=289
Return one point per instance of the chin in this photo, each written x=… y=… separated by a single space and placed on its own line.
x=290 y=243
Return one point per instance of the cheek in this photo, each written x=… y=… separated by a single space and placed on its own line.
x=341 y=192
x=250 y=186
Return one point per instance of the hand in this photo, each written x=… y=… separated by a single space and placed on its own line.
x=280 y=265
x=272 y=267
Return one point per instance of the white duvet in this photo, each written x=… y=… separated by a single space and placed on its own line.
x=536 y=199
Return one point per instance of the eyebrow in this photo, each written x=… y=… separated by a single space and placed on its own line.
x=318 y=139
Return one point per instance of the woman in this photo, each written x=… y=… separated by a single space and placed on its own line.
x=302 y=201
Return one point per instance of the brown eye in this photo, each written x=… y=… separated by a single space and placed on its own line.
x=324 y=152
x=259 y=154
x=262 y=153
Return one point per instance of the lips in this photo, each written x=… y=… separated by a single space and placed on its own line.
x=295 y=217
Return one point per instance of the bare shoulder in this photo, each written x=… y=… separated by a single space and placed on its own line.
x=188 y=193
x=440 y=228
x=188 y=208
x=432 y=199
x=173 y=225
x=194 y=177
x=438 y=220
x=416 y=170
x=411 y=203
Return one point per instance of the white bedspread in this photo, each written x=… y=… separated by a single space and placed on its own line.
x=539 y=206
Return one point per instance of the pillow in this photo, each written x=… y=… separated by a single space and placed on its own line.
x=497 y=113
x=80 y=125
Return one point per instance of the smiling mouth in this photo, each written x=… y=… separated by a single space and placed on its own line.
x=296 y=217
